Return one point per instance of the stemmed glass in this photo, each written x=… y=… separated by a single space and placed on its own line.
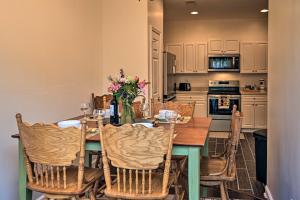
x=145 y=108
x=99 y=112
x=84 y=108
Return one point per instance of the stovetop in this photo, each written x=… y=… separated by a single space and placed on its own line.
x=224 y=88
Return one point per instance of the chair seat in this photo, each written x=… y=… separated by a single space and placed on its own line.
x=215 y=165
x=90 y=176
x=156 y=178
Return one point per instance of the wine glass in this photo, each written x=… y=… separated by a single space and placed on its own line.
x=99 y=112
x=145 y=109
x=84 y=107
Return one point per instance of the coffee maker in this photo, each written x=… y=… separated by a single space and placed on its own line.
x=262 y=84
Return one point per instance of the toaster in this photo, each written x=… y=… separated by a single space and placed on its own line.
x=184 y=86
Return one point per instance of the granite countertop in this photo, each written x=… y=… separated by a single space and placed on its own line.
x=253 y=92
x=194 y=90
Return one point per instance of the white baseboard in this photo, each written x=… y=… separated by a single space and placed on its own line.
x=268 y=192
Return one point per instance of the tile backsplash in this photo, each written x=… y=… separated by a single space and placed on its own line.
x=201 y=80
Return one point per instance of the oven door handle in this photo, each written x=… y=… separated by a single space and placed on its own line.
x=228 y=96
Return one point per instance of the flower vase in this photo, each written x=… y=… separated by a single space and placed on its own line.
x=127 y=115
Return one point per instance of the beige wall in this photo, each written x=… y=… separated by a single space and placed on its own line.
x=284 y=109
x=124 y=38
x=203 y=30
x=49 y=60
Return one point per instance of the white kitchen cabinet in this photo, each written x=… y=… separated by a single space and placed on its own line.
x=201 y=58
x=248 y=112
x=189 y=58
x=247 y=57
x=177 y=49
x=215 y=46
x=260 y=115
x=254 y=57
x=232 y=46
x=219 y=46
x=254 y=108
x=200 y=102
x=261 y=57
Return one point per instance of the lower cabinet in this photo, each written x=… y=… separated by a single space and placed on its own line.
x=200 y=100
x=254 y=109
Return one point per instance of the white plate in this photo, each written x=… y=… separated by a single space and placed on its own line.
x=69 y=123
x=148 y=125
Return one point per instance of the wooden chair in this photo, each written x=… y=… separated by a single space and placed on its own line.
x=229 y=140
x=156 y=106
x=184 y=109
x=136 y=152
x=101 y=102
x=137 y=106
x=217 y=171
x=49 y=156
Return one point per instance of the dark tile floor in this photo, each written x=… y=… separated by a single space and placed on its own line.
x=246 y=182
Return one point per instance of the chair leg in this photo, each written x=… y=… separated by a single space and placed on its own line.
x=224 y=192
x=92 y=194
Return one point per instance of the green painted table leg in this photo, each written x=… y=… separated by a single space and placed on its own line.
x=24 y=193
x=194 y=173
x=205 y=149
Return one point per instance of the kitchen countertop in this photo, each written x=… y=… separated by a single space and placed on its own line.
x=253 y=92
x=195 y=90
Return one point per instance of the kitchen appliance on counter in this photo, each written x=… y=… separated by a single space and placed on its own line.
x=222 y=95
x=169 y=76
x=224 y=62
x=185 y=87
x=262 y=84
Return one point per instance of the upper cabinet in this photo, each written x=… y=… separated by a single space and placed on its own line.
x=177 y=49
x=254 y=57
x=190 y=57
x=219 y=46
x=201 y=58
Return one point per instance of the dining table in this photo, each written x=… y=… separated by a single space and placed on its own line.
x=191 y=140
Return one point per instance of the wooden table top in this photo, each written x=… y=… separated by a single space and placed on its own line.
x=193 y=133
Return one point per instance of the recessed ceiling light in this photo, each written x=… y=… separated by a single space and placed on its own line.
x=264 y=10
x=194 y=12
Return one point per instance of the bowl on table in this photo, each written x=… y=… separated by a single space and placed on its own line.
x=69 y=123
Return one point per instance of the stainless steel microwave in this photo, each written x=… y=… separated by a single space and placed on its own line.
x=224 y=62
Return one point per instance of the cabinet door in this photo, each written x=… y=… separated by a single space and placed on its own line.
x=261 y=58
x=215 y=46
x=189 y=58
x=177 y=49
x=247 y=57
x=200 y=109
x=201 y=58
x=260 y=110
x=232 y=46
x=248 y=111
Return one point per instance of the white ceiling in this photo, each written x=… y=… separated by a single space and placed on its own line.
x=214 y=9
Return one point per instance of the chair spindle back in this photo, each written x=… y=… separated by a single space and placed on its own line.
x=50 y=150
x=136 y=152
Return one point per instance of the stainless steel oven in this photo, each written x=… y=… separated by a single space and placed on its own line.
x=222 y=95
x=220 y=106
x=224 y=62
